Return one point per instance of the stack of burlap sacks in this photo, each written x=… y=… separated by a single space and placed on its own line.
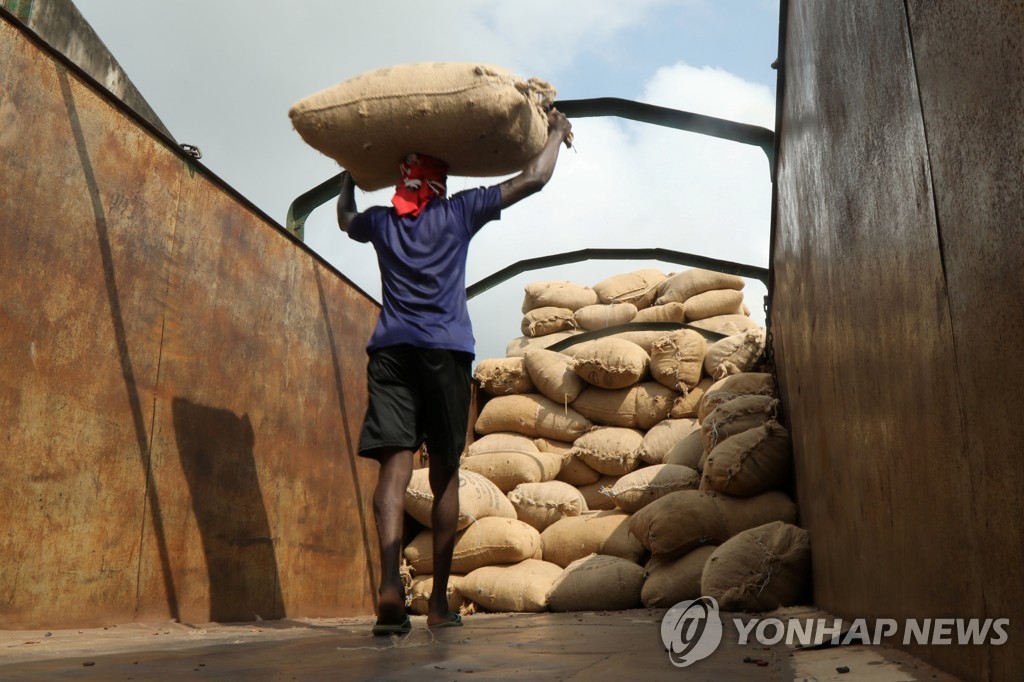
x=640 y=468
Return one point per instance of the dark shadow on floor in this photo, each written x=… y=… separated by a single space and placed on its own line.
x=216 y=451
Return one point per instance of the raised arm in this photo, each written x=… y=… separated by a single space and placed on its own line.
x=346 y=202
x=538 y=171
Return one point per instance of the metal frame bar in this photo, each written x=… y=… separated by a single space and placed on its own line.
x=667 y=255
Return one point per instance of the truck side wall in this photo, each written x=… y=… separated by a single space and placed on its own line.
x=898 y=281
x=181 y=384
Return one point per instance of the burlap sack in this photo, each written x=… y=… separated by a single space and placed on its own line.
x=480 y=119
x=596 y=494
x=612 y=450
x=608 y=407
x=670 y=312
x=531 y=415
x=677 y=359
x=635 y=491
x=541 y=504
x=688 y=404
x=418 y=596
x=638 y=287
x=487 y=542
x=597 y=583
x=552 y=374
x=727 y=325
x=662 y=437
x=688 y=283
x=518 y=346
x=558 y=447
x=733 y=386
x=760 y=569
x=681 y=521
x=603 y=532
x=670 y=581
x=509 y=468
x=735 y=354
x=558 y=295
x=736 y=416
x=501 y=376
x=547 y=320
x=519 y=588
x=713 y=303
x=611 y=363
x=604 y=315
x=750 y=462
x=687 y=452
x=478 y=498
x=644 y=339
x=653 y=403
x=576 y=472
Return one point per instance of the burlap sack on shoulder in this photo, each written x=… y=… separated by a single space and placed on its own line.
x=611 y=363
x=760 y=569
x=519 y=588
x=612 y=450
x=603 y=532
x=677 y=359
x=502 y=376
x=541 y=504
x=735 y=354
x=481 y=119
x=597 y=583
x=682 y=521
x=551 y=372
x=638 y=287
x=636 y=490
x=531 y=415
x=750 y=462
x=662 y=437
x=604 y=315
x=670 y=581
x=546 y=321
x=684 y=285
x=557 y=295
x=733 y=386
x=478 y=498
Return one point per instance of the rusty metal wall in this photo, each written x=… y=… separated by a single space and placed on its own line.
x=897 y=307
x=181 y=384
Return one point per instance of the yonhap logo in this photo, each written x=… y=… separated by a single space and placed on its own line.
x=691 y=631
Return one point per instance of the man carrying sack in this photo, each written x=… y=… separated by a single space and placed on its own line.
x=422 y=349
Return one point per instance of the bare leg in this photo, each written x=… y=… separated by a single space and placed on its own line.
x=444 y=484
x=388 y=510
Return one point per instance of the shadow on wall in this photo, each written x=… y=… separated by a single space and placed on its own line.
x=216 y=451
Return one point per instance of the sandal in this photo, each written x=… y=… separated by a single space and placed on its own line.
x=454 y=621
x=381 y=629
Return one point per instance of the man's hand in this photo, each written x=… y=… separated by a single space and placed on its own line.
x=559 y=125
x=346 y=201
x=538 y=171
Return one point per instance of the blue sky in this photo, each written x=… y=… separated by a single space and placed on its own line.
x=221 y=74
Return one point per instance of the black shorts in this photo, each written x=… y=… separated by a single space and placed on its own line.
x=417 y=395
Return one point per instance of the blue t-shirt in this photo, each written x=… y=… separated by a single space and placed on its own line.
x=423 y=268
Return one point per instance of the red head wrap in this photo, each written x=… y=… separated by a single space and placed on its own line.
x=423 y=178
